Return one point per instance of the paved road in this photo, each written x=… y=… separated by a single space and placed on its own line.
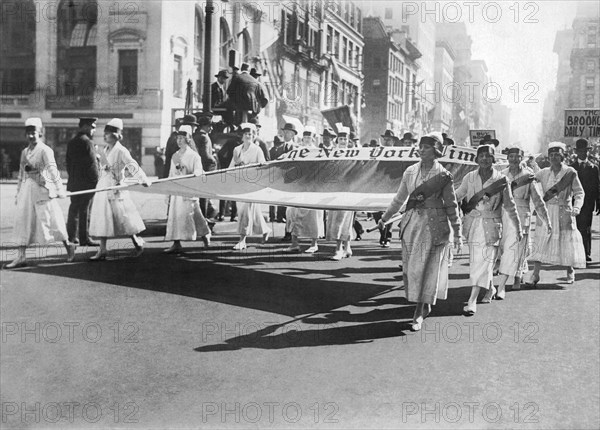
x=260 y=339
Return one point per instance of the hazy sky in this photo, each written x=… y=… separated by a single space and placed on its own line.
x=519 y=55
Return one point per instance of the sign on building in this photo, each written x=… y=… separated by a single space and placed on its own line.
x=582 y=123
x=478 y=135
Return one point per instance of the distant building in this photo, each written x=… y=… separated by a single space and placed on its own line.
x=389 y=70
x=444 y=87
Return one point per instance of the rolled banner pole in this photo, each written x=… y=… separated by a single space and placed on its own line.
x=122 y=186
x=390 y=221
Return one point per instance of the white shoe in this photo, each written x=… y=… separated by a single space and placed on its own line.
x=206 y=240
x=265 y=238
x=470 y=309
x=240 y=246
x=173 y=249
x=139 y=249
x=311 y=250
x=338 y=255
x=15 y=264
x=292 y=250
x=71 y=252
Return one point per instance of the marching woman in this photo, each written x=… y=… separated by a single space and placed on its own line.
x=487 y=192
x=563 y=194
x=305 y=222
x=185 y=220
x=113 y=212
x=431 y=213
x=513 y=261
x=251 y=220
x=39 y=219
x=340 y=223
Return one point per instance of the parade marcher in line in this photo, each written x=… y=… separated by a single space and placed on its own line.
x=431 y=212
x=328 y=139
x=251 y=220
x=407 y=140
x=206 y=151
x=171 y=146
x=185 y=220
x=447 y=141
x=113 y=213
x=261 y=143
x=513 y=261
x=246 y=94
x=487 y=192
x=339 y=223
x=353 y=142
x=385 y=232
x=564 y=197
x=389 y=139
x=82 y=168
x=224 y=156
x=279 y=148
x=589 y=176
x=532 y=164
x=305 y=222
x=39 y=219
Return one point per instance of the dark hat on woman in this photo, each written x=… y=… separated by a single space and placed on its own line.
x=582 y=144
x=486 y=149
x=435 y=142
x=329 y=132
x=409 y=136
x=389 y=133
x=291 y=127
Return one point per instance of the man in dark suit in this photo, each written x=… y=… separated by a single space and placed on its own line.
x=246 y=95
x=171 y=147
x=206 y=152
x=217 y=89
x=82 y=167
x=590 y=180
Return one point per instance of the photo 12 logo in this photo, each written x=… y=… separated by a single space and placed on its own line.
x=470 y=11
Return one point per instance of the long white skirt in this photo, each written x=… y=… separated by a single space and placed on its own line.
x=305 y=222
x=562 y=247
x=114 y=214
x=481 y=256
x=513 y=261
x=251 y=220
x=39 y=219
x=425 y=265
x=339 y=225
x=185 y=220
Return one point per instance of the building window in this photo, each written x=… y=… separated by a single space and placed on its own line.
x=358 y=20
x=336 y=44
x=225 y=42
x=389 y=13
x=352 y=10
x=590 y=66
x=592 y=35
x=350 y=54
x=128 y=72
x=344 y=50
x=589 y=83
x=347 y=11
x=329 y=39
x=589 y=100
x=177 y=76
x=376 y=62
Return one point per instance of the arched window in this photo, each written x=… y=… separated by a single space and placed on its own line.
x=17 y=68
x=246 y=45
x=225 y=43
x=76 y=53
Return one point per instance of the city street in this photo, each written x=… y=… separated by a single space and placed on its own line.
x=259 y=339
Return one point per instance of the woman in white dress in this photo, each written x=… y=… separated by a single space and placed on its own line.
x=305 y=222
x=513 y=260
x=113 y=213
x=488 y=192
x=563 y=194
x=250 y=218
x=339 y=223
x=185 y=220
x=39 y=219
x=431 y=213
